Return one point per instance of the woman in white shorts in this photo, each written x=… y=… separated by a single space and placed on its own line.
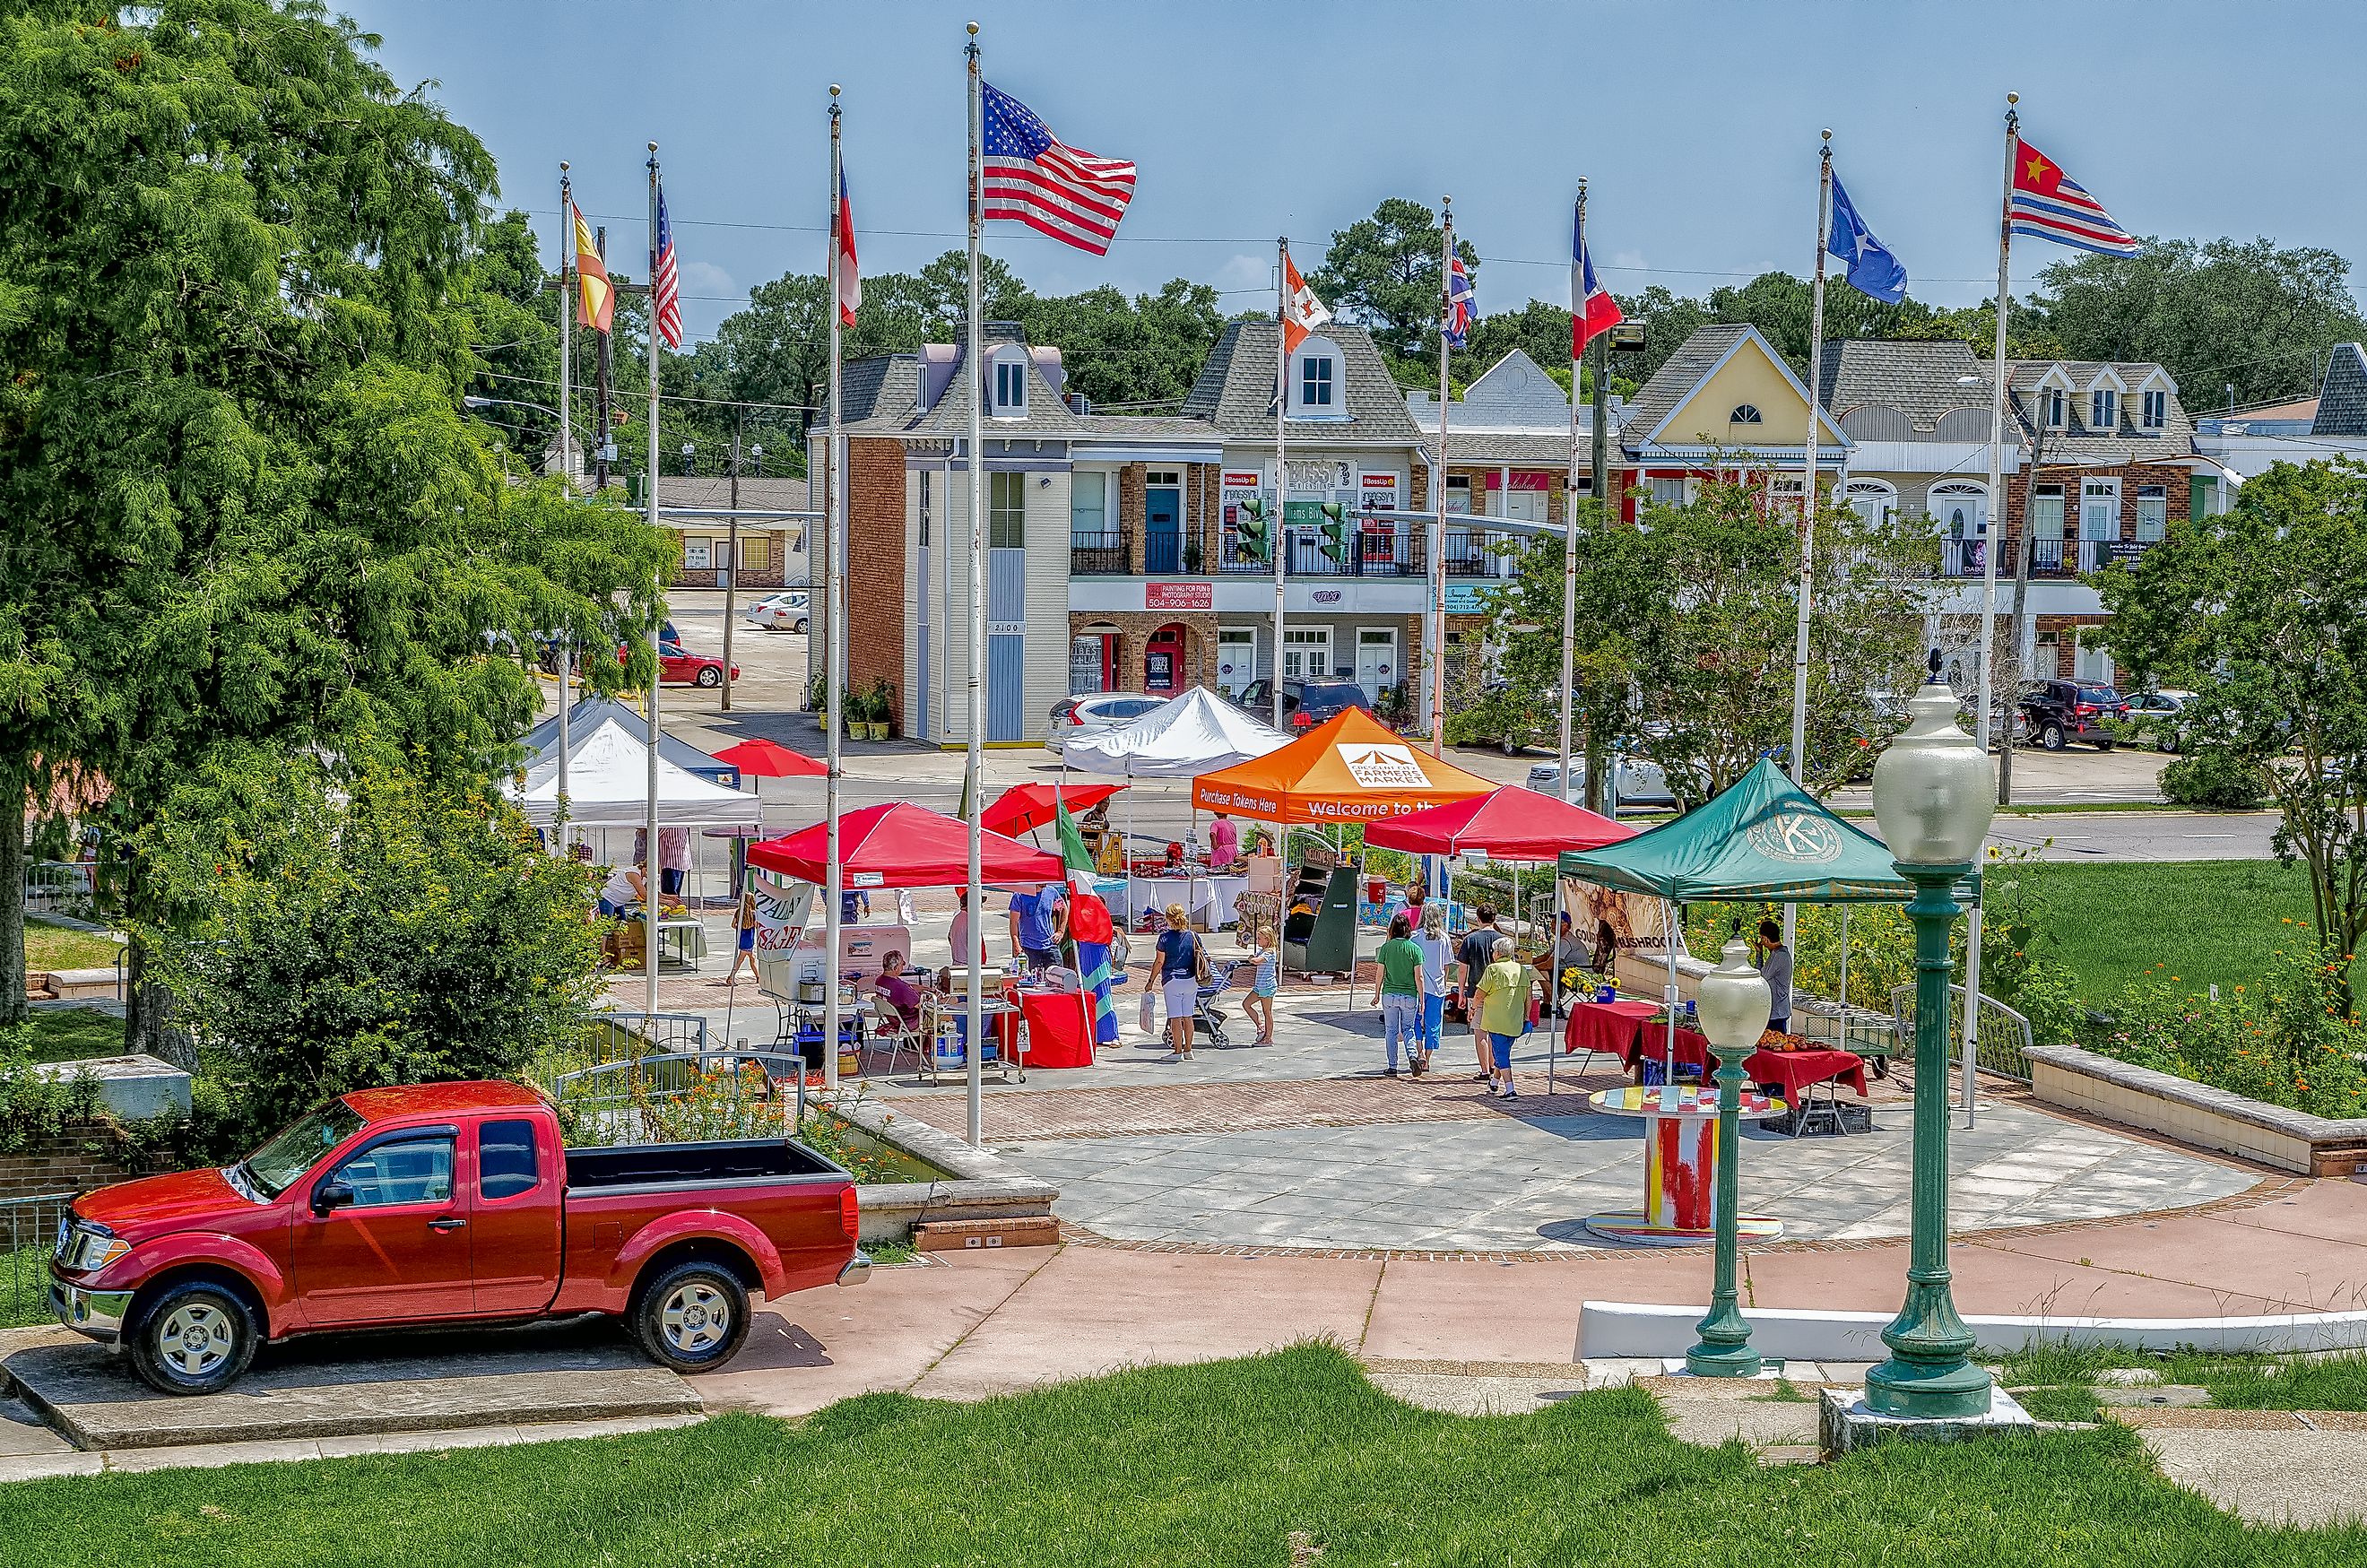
x=1177 y=966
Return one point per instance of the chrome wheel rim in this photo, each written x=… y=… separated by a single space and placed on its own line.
x=195 y=1338
x=694 y=1317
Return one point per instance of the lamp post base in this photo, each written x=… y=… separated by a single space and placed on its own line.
x=1845 y=1421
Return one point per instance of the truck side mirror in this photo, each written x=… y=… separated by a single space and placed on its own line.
x=329 y=1196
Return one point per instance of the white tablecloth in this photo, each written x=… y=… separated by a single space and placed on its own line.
x=1208 y=900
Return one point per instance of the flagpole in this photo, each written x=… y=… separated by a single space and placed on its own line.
x=1569 y=543
x=650 y=877
x=835 y=676
x=1438 y=528
x=971 y=367
x=566 y=435
x=1996 y=430
x=1808 y=501
x=1281 y=533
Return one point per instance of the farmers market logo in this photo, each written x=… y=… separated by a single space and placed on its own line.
x=1796 y=836
x=1384 y=767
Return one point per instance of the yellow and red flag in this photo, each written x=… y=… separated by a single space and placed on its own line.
x=595 y=297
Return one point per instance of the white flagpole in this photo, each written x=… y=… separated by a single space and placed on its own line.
x=1808 y=501
x=1997 y=429
x=566 y=439
x=834 y=677
x=1280 y=533
x=1438 y=528
x=974 y=369
x=651 y=875
x=1570 y=535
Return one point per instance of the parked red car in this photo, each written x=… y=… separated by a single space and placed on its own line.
x=677 y=666
x=446 y=1204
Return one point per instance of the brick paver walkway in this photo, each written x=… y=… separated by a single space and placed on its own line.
x=1019 y=1116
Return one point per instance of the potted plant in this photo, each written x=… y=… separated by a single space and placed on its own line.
x=883 y=708
x=1192 y=557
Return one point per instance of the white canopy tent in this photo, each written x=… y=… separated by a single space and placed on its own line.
x=1196 y=733
x=608 y=786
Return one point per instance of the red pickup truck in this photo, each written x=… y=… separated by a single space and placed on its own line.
x=446 y=1204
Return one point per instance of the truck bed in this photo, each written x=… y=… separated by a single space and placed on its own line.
x=693 y=1164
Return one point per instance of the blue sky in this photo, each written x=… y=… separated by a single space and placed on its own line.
x=1695 y=123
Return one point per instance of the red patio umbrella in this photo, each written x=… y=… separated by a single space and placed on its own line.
x=1026 y=806
x=764 y=759
x=1512 y=823
x=902 y=845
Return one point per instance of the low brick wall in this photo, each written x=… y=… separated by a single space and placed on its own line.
x=75 y=1161
x=978 y=1185
x=2196 y=1113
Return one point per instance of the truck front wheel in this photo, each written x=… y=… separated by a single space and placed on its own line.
x=197 y=1338
x=693 y=1317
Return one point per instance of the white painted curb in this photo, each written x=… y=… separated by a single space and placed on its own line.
x=1650 y=1329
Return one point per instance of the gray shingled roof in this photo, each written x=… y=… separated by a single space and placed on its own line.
x=1236 y=388
x=2342 y=395
x=1047 y=414
x=768 y=492
x=882 y=393
x=2077 y=443
x=1145 y=427
x=1676 y=377
x=1917 y=378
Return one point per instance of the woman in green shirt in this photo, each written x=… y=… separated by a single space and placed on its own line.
x=1503 y=999
x=1398 y=989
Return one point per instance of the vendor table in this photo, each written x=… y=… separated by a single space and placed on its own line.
x=1799 y=1073
x=1208 y=900
x=1680 y=1167
x=945 y=1027
x=1059 y=1025
x=1625 y=1028
x=686 y=935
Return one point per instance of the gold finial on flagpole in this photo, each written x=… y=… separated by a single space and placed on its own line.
x=973 y=29
x=2013 y=97
x=833 y=89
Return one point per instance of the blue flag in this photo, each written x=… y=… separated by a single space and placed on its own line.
x=1873 y=270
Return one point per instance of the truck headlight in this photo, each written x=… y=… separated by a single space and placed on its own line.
x=87 y=1248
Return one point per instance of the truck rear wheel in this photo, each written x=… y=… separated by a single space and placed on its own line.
x=197 y=1338
x=693 y=1317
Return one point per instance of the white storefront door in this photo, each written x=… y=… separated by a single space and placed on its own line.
x=1236 y=658
x=1305 y=653
x=1377 y=659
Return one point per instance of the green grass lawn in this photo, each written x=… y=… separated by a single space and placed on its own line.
x=2208 y=922
x=68 y=1034
x=2237 y=1382
x=1217 y=1464
x=48 y=946
x=25 y=1287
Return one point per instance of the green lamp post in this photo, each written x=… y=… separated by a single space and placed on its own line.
x=1934 y=792
x=1734 y=1004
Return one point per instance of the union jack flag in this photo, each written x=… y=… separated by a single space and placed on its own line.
x=1459 y=307
x=666 y=282
x=1030 y=178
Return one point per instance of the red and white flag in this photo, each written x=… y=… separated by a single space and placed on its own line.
x=1301 y=311
x=666 y=281
x=850 y=283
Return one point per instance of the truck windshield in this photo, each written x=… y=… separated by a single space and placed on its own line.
x=278 y=1164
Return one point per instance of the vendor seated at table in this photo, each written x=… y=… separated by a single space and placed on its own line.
x=898 y=998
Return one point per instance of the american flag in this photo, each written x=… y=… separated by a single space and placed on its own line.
x=2050 y=205
x=1030 y=178
x=665 y=283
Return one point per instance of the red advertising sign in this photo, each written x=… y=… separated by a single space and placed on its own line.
x=1179 y=596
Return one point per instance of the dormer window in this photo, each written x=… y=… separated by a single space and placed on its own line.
x=2051 y=407
x=2155 y=410
x=1315 y=381
x=1745 y=413
x=2103 y=408
x=1010 y=388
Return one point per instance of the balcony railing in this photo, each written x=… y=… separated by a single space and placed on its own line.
x=2048 y=558
x=1162 y=552
x=1097 y=555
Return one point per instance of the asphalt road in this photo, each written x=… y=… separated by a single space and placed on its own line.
x=766 y=702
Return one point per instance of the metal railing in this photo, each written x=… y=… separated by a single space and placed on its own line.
x=1097 y=555
x=2004 y=1033
x=1370 y=550
x=615 y=1036
x=56 y=887
x=1163 y=551
x=29 y=1231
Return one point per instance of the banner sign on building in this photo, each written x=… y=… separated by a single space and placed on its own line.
x=1376 y=492
x=1179 y=597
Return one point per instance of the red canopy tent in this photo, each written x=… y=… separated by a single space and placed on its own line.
x=1512 y=823
x=1026 y=806
x=902 y=845
x=762 y=759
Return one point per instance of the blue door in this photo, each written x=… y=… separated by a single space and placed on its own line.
x=1162 y=523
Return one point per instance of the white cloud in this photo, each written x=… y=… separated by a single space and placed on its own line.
x=705 y=277
x=1632 y=261
x=1246 y=271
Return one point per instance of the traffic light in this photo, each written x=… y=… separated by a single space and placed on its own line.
x=1254 y=532
x=1334 y=529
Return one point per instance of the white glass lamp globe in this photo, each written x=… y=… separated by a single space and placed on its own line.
x=1934 y=789
x=1733 y=999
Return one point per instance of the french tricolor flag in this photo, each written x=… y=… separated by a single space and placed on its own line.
x=1592 y=308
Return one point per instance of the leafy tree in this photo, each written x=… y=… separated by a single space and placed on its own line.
x=1539 y=328
x=328 y=930
x=1118 y=351
x=2249 y=312
x=2257 y=611
x=244 y=509
x=1382 y=271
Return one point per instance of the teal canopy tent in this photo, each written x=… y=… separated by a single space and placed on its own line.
x=1761 y=839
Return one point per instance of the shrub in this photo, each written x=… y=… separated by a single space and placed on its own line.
x=2278 y=1038
x=2212 y=778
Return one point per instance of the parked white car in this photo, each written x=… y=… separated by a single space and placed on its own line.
x=1094 y=713
x=783 y=612
x=1640 y=785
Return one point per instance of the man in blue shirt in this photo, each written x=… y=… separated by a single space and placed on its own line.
x=1039 y=920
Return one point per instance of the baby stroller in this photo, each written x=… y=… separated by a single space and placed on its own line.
x=1207 y=1017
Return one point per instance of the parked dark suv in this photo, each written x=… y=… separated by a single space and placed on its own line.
x=1305 y=703
x=2056 y=713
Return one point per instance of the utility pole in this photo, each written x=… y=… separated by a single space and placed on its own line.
x=731 y=563
x=2009 y=689
x=602 y=364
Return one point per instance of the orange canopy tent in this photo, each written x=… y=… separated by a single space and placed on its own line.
x=1349 y=769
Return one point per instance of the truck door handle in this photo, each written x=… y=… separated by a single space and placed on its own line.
x=447 y=1225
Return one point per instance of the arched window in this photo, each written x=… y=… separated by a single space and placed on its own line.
x=1876 y=500
x=1744 y=413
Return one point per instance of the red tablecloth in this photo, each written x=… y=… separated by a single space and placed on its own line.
x=1653 y=1041
x=1608 y=1027
x=1795 y=1070
x=1060 y=1027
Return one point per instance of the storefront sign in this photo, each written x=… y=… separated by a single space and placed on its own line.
x=1377 y=492
x=1325 y=596
x=1463 y=599
x=1179 y=597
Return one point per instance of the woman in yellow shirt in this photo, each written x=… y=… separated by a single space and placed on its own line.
x=1503 y=997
